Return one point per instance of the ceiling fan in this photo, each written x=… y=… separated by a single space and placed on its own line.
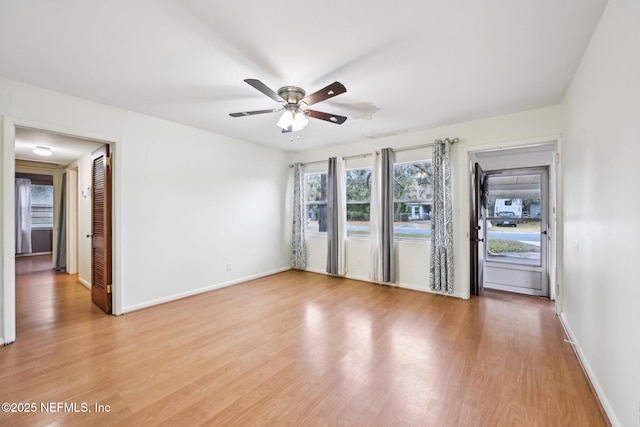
x=295 y=103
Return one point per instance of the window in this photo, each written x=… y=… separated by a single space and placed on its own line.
x=358 y=202
x=412 y=197
x=316 y=198
x=41 y=206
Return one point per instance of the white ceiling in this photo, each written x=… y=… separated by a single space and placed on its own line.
x=514 y=186
x=407 y=64
x=65 y=148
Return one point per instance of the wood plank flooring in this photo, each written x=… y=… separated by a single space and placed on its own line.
x=293 y=349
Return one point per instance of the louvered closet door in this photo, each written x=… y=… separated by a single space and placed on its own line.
x=101 y=228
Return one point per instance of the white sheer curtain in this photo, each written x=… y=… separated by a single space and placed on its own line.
x=336 y=217
x=375 y=236
x=23 y=216
x=441 y=268
x=298 y=243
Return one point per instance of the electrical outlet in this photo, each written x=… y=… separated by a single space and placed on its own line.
x=359 y=262
x=229 y=266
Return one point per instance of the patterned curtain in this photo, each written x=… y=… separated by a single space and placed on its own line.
x=298 y=242
x=336 y=217
x=388 y=257
x=441 y=271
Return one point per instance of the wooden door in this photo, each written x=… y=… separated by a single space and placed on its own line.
x=101 y=228
x=477 y=232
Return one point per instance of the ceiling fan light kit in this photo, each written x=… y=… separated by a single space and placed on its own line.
x=293 y=121
x=294 y=103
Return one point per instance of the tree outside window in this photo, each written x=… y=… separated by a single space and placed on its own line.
x=413 y=198
x=358 y=201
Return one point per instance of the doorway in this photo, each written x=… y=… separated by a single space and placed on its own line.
x=516 y=222
x=13 y=146
x=512 y=236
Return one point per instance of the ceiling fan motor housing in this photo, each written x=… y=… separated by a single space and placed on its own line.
x=291 y=94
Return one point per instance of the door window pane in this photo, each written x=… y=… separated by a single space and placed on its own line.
x=513 y=223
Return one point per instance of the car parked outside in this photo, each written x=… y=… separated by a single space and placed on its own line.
x=507 y=222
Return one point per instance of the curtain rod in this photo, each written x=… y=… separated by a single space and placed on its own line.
x=413 y=147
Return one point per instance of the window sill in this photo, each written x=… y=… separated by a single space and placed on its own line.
x=414 y=241
x=358 y=237
x=367 y=237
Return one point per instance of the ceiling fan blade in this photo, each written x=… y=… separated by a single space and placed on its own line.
x=334 y=89
x=332 y=118
x=264 y=89
x=253 y=113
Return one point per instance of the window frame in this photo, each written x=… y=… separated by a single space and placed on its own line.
x=359 y=202
x=419 y=240
x=314 y=202
x=365 y=236
x=46 y=208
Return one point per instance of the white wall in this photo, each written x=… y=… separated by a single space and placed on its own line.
x=601 y=150
x=84 y=220
x=186 y=202
x=529 y=127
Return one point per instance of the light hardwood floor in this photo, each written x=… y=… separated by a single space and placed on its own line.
x=295 y=349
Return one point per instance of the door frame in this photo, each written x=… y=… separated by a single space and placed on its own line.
x=7 y=231
x=543 y=172
x=539 y=152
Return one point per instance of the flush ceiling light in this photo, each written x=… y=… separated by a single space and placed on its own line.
x=43 y=151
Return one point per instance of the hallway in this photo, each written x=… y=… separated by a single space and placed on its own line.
x=47 y=300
